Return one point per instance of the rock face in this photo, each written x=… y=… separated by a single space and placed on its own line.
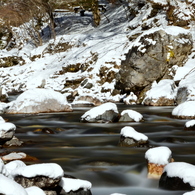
x=149 y=60
x=40 y=100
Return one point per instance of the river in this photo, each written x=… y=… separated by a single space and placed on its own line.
x=90 y=151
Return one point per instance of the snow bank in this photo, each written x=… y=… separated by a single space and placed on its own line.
x=132 y=133
x=159 y=155
x=69 y=184
x=184 y=171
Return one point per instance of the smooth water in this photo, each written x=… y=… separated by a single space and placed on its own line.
x=90 y=151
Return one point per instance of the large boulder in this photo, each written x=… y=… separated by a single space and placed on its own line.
x=39 y=101
x=151 y=57
x=107 y=112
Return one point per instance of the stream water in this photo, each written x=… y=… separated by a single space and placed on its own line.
x=91 y=152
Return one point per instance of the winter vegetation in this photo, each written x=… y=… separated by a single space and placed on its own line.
x=56 y=55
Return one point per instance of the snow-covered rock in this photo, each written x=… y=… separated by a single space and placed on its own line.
x=190 y=193
x=14 y=156
x=178 y=176
x=190 y=125
x=130 y=116
x=130 y=137
x=157 y=158
x=107 y=112
x=39 y=100
x=75 y=185
x=11 y=166
x=130 y=99
x=9 y=186
x=7 y=131
x=45 y=175
x=162 y=93
x=185 y=110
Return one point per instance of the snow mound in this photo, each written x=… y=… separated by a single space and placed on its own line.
x=132 y=133
x=51 y=170
x=132 y=115
x=39 y=100
x=184 y=171
x=159 y=155
x=69 y=184
x=9 y=186
x=184 y=110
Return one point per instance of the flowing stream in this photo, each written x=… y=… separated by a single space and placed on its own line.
x=90 y=151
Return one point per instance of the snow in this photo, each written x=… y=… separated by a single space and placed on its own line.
x=164 y=88
x=92 y=113
x=69 y=184
x=190 y=123
x=132 y=133
x=183 y=170
x=136 y=116
x=14 y=155
x=7 y=126
x=10 y=187
x=11 y=166
x=34 y=190
x=158 y=155
x=186 y=109
x=190 y=193
x=51 y=170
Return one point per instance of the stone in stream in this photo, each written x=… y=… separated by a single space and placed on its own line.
x=7 y=131
x=190 y=125
x=130 y=116
x=157 y=158
x=178 y=176
x=131 y=138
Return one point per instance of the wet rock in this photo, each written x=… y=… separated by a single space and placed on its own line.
x=13 y=142
x=178 y=176
x=130 y=116
x=157 y=158
x=107 y=112
x=40 y=100
x=131 y=138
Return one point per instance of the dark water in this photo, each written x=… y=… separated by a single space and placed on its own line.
x=91 y=151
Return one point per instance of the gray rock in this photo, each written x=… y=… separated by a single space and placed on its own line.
x=151 y=58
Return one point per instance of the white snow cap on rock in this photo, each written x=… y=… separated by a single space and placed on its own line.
x=70 y=184
x=190 y=123
x=51 y=170
x=132 y=133
x=158 y=155
x=184 y=171
x=11 y=166
x=136 y=116
x=92 y=113
x=7 y=127
x=185 y=109
x=10 y=187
